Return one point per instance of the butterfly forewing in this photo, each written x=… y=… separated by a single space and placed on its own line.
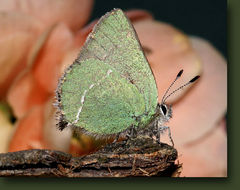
x=114 y=41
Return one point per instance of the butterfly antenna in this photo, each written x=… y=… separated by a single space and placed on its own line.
x=191 y=81
x=177 y=77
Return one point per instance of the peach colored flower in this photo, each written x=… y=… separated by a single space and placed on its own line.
x=32 y=45
x=45 y=47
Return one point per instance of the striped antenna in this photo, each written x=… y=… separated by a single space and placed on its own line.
x=177 y=77
x=191 y=81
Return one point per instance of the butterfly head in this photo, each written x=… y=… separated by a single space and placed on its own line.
x=165 y=110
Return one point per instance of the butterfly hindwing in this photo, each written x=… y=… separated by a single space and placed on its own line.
x=104 y=103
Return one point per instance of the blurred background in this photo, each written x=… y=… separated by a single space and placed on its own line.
x=206 y=19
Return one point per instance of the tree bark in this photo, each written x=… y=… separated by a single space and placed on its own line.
x=133 y=157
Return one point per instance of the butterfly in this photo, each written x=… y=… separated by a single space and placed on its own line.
x=110 y=88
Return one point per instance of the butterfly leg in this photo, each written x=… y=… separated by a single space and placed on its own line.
x=162 y=129
x=116 y=138
x=132 y=133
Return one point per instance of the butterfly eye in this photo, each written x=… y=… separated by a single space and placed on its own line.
x=164 y=109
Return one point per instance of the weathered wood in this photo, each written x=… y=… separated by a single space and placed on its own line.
x=135 y=157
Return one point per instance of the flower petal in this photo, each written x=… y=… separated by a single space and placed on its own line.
x=17 y=34
x=25 y=93
x=74 y=13
x=46 y=66
x=29 y=131
x=168 y=51
x=208 y=158
x=206 y=103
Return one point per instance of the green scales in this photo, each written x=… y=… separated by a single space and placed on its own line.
x=110 y=88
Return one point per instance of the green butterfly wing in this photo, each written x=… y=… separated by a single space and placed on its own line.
x=104 y=104
x=114 y=41
x=110 y=83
